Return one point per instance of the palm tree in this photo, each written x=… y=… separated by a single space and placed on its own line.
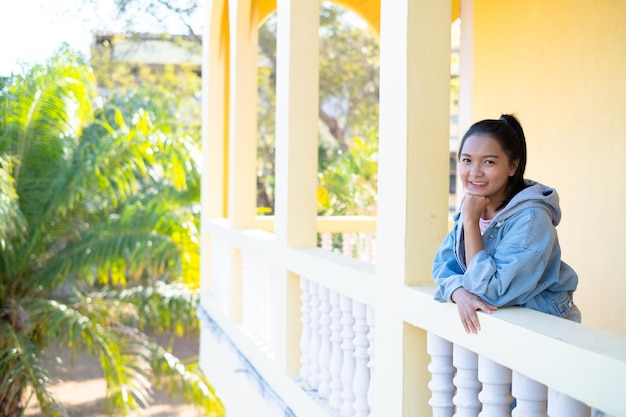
x=98 y=241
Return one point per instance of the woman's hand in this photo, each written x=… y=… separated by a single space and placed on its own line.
x=473 y=207
x=467 y=304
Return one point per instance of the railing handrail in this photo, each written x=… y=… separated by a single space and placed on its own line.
x=332 y=224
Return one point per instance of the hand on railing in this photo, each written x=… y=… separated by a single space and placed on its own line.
x=468 y=304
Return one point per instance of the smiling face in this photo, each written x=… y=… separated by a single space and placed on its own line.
x=485 y=168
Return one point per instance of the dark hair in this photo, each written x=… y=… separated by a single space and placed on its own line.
x=508 y=132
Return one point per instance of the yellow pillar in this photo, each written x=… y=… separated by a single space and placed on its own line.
x=214 y=131
x=297 y=101
x=413 y=188
x=215 y=110
x=243 y=119
x=297 y=108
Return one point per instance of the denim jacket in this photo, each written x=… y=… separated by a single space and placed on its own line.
x=520 y=264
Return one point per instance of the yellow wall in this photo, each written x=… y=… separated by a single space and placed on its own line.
x=561 y=67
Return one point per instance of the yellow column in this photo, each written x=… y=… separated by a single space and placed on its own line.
x=214 y=132
x=413 y=188
x=297 y=101
x=243 y=120
x=215 y=110
x=297 y=108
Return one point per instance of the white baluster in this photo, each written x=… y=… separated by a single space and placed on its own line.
x=442 y=372
x=347 y=346
x=305 y=338
x=370 y=351
x=336 y=356
x=325 y=346
x=531 y=397
x=496 y=394
x=254 y=278
x=358 y=246
x=264 y=297
x=466 y=381
x=361 y=357
x=327 y=241
x=262 y=300
x=314 y=346
x=221 y=272
x=369 y=247
x=267 y=329
x=250 y=281
x=247 y=294
x=561 y=405
x=347 y=248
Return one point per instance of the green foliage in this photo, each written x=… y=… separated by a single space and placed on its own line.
x=98 y=238
x=349 y=81
x=348 y=184
x=169 y=91
x=349 y=88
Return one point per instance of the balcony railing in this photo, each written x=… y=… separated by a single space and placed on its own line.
x=335 y=300
x=353 y=236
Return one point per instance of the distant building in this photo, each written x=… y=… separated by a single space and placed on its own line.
x=135 y=57
x=152 y=49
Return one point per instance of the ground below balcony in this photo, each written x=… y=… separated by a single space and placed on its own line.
x=79 y=386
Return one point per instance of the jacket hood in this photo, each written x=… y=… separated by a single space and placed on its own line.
x=534 y=195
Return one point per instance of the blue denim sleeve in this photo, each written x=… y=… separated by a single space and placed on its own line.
x=513 y=271
x=447 y=272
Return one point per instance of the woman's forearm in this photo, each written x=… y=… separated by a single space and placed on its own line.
x=473 y=241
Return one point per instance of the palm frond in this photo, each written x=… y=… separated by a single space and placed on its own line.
x=184 y=380
x=149 y=237
x=52 y=102
x=161 y=307
x=20 y=368
x=85 y=327
x=129 y=360
x=12 y=222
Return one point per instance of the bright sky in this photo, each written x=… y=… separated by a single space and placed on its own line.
x=32 y=30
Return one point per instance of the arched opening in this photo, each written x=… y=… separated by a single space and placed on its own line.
x=348 y=123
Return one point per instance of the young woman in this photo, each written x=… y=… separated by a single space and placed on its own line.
x=503 y=249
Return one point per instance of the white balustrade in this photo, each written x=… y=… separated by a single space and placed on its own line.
x=336 y=356
x=464 y=384
x=530 y=395
x=347 y=244
x=337 y=347
x=325 y=344
x=348 y=363
x=442 y=373
x=266 y=327
x=326 y=241
x=561 y=405
x=361 y=357
x=338 y=338
x=466 y=381
x=355 y=245
x=256 y=298
x=370 y=351
x=221 y=253
x=369 y=248
x=314 y=345
x=305 y=338
x=249 y=293
x=496 y=395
